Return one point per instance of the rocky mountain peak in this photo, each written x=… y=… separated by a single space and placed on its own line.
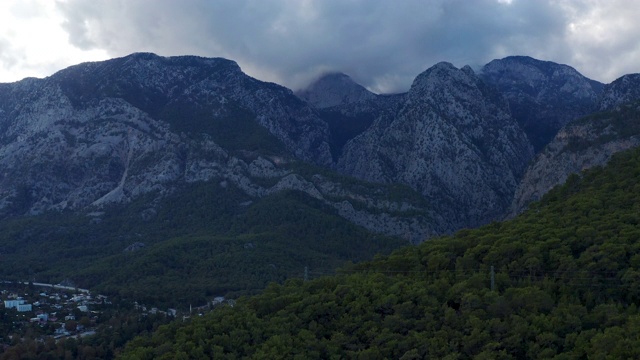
x=543 y=96
x=452 y=140
x=586 y=142
x=459 y=95
x=532 y=76
x=437 y=75
x=622 y=90
x=334 y=89
x=141 y=72
x=105 y=132
x=468 y=70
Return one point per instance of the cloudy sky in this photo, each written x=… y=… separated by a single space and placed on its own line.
x=382 y=44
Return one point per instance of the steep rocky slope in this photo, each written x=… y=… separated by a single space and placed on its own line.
x=99 y=131
x=543 y=96
x=453 y=140
x=623 y=90
x=584 y=143
x=105 y=132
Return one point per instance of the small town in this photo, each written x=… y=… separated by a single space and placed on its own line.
x=42 y=311
x=50 y=310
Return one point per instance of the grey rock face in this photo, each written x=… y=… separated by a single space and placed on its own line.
x=189 y=92
x=543 y=96
x=621 y=91
x=101 y=132
x=580 y=145
x=107 y=132
x=452 y=140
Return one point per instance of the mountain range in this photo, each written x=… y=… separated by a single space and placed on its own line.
x=461 y=148
x=169 y=181
x=107 y=132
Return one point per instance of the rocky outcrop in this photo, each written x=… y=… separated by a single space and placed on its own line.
x=543 y=96
x=194 y=94
x=453 y=140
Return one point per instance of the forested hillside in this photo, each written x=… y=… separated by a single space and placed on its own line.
x=210 y=239
x=566 y=285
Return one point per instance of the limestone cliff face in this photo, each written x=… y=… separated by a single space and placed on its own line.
x=99 y=132
x=190 y=92
x=621 y=91
x=453 y=140
x=106 y=132
x=584 y=143
x=543 y=96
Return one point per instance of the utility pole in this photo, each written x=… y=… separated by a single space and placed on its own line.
x=493 y=279
x=306 y=273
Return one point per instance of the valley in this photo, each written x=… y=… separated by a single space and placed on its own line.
x=169 y=181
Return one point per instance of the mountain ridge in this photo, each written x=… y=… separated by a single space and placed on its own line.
x=418 y=147
x=109 y=131
x=543 y=96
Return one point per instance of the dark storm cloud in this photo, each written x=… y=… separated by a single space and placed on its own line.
x=382 y=44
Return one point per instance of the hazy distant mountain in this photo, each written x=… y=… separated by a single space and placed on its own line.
x=348 y=108
x=334 y=89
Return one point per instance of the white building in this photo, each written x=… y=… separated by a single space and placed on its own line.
x=10 y=304
x=24 y=307
x=217 y=300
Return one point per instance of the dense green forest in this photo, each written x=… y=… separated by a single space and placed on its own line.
x=561 y=281
x=208 y=239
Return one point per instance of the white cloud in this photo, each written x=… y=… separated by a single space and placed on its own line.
x=602 y=37
x=32 y=42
